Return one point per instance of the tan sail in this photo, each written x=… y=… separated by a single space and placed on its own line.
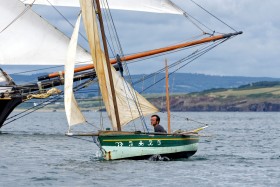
x=72 y=110
x=130 y=103
x=127 y=107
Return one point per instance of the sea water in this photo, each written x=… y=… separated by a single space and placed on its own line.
x=239 y=149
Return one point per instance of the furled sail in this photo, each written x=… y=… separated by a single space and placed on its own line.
x=27 y=39
x=156 y=6
x=125 y=94
x=72 y=110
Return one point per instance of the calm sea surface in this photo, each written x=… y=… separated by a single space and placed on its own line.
x=242 y=149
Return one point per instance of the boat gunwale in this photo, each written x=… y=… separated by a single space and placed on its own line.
x=121 y=133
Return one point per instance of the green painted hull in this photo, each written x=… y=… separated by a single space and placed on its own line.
x=139 y=146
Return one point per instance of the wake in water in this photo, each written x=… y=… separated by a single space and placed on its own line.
x=159 y=158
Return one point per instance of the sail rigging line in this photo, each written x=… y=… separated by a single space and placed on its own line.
x=171 y=65
x=118 y=42
x=45 y=103
x=111 y=25
x=190 y=119
x=145 y=77
x=197 y=52
x=108 y=19
x=100 y=109
x=16 y=18
x=40 y=69
x=108 y=65
x=136 y=102
x=41 y=105
x=189 y=17
x=155 y=51
x=213 y=15
x=91 y=124
x=184 y=59
x=77 y=137
x=108 y=43
x=80 y=34
x=161 y=54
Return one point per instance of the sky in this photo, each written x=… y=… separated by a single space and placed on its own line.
x=255 y=53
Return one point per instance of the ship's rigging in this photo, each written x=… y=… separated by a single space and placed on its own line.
x=85 y=75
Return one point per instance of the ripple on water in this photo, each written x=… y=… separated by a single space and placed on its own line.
x=243 y=151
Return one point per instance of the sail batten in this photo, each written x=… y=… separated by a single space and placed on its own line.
x=72 y=110
x=155 y=6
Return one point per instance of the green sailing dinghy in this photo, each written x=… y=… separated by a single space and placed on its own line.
x=142 y=146
x=138 y=145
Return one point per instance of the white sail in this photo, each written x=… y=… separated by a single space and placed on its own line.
x=27 y=39
x=128 y=108
x=156 y=6
x=72 y=110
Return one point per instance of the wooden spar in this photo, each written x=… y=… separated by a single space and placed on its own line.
x=152 y=52
x=108 y=66
x=167 y=97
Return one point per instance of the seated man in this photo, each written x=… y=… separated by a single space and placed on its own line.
x=155 y=119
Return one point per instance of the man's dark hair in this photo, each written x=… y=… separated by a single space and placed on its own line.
x=158 y=118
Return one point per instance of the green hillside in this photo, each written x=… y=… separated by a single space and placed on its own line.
x=260 y=96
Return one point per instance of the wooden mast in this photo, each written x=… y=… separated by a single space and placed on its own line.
x=167 y=97
x=108 y=65
x=150 y=53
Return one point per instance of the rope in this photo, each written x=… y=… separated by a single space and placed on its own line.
x=47 y=102
x=189 y=119
x=43 y=105
x=212 y=15
x=67 y=20
x=110 y=21
x=81 y=138
x=191 y=57
x=50 y=92
x=91 y=124
x=14 y=20
x=188 y=16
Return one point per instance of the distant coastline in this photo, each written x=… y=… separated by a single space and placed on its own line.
x=261 y=96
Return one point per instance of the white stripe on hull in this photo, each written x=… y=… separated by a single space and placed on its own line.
x=114 y=152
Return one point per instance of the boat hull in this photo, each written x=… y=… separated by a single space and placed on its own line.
x=7 y=105
x=141 y=146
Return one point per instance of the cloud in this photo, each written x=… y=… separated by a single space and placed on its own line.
x=254 y=53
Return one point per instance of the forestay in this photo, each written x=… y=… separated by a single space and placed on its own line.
x=156 y=6
x=28 y=39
